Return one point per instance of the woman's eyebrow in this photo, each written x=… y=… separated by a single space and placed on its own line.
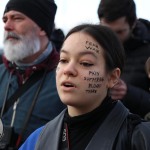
x=80 y=53
x=87 y=53
x=63 y=51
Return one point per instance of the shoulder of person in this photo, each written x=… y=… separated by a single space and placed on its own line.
x=142 y=30
x=145 y=22
x=141 y=136
x=31 y=140
x=143 y=128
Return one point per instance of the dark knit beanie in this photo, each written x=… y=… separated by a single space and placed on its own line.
x=42 y=12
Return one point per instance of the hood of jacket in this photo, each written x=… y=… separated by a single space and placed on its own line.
x=140 y=35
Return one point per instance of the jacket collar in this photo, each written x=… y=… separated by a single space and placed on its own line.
x=104 y=137
x=140 y=35
x=49 y=63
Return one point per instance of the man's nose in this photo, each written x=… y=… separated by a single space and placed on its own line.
x=8 y=25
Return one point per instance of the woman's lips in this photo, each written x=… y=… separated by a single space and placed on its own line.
x=68 y=86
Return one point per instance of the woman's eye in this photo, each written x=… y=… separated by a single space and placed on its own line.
x=86 y=64
x=62 y=61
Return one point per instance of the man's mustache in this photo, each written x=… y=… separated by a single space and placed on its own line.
x=13 y=35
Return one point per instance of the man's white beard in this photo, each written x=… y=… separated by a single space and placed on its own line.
x=21 y=46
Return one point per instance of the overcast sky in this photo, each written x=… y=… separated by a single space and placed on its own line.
x=73 y=12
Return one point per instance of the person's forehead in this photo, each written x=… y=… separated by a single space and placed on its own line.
x=118 y=23
x=14 y=12
x=81 y=41
x=82 y=38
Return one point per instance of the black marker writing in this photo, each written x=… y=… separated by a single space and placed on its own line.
x=93 y=73
x=94 y=85
x=97 y=79
x=92 y=46
x=91 y=91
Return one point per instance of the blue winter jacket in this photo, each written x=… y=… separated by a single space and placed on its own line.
x=32 y=140
x=48 y=104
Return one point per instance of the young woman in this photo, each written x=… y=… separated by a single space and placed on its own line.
x=91 y=60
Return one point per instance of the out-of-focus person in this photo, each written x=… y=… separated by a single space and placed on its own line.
x=57 y=37
x=133 y=86
x=28 y=95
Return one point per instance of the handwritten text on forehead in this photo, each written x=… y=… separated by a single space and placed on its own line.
x=92 y=46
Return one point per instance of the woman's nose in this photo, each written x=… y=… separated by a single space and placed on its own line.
x=70 y=69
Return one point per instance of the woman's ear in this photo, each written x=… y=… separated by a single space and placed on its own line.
x=113 y=77
x=147 y=67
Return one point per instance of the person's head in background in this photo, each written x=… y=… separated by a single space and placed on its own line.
x=118 y=15
x=91 y=60
x=57 y=37
x=147 y=67
x=28 y=26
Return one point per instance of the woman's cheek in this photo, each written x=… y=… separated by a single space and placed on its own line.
x=94 y=81
x=57 y=69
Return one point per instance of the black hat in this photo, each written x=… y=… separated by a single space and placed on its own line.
x=42 y=12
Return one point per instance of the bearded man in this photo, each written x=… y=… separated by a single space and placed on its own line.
x=28 y=55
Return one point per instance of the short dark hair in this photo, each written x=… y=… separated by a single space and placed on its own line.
x=114 y=54
x=115 y=9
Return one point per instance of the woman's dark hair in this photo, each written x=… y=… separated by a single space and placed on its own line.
x=115 y=9
x=113 y=50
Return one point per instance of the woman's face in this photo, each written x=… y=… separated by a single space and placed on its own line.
x=82 y=81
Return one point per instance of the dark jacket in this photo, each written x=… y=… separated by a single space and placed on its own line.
x=137 y=50
x=111 y=135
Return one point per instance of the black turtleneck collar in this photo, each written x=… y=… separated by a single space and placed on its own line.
x=82 y=128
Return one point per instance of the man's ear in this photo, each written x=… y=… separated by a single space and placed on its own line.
x=113 y=77
x=42 y=32
x=134 y=24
